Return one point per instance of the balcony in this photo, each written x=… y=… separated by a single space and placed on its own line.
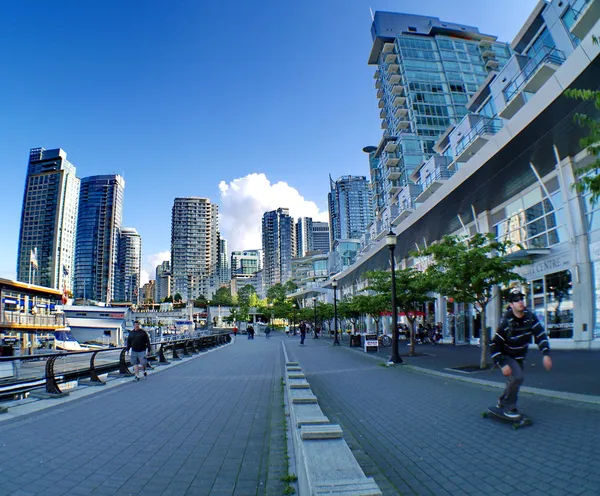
x=390 y=146
x=382 y=114
x=403 y=123
x=380 y=93
x=398 y=89
x=388 y=48
x=492 y=64
x=392 y=173
x=394 y=187
x=390 y=58
x=378 y=83
x=393 y=68
x=478 y=136
x=384 y=124
x=488 y=53
x=376 y=74
x=17 y=321
x=389 y=160
x=432 y=182
x=587 y=14
x=399 y=100
x=533 y=76
x=401 y=112
x=404 y=210
x=485 y=43
x=394 y=78
x=381 y=103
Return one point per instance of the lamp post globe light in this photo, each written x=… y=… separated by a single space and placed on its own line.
x=336 y=341
x=390 y=241
x=314 y=299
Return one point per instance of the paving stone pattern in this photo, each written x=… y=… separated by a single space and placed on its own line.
x=210 y=426
x=420 y=434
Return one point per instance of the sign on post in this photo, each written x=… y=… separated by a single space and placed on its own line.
x=371 y=343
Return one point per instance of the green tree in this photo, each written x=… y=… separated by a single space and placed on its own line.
x=413 y=289
x=373 y=306
x=168 y=299
x=589 y=176
x=468 y=269
x=349 y=310
x=222 y=297
x=200 y=301
x=177 y=298
x=245 y=299
x=276 y=293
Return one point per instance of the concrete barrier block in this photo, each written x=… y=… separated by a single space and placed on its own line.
x=359 y=487
x=320 y=420
x=295 y=376
x=294 y=369
x=332 y=431
x=304 y=399
x=300 y=385
x=292 y=364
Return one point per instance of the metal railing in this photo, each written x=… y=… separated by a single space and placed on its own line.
x=483 y=126
x=21 y=318
x=436 y=175
x=22 y=374
x=544 y=55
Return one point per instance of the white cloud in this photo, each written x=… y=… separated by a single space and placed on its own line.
x=244 y=201
x=149 y=266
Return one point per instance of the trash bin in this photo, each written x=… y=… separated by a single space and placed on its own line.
x=355 y=340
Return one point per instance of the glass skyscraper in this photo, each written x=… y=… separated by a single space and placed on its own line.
x=48 y=220
x=320 y=235
x=224 y=272
x=278 y=246
x=350 y=209
x=130 y=266
x=97 y=245
x=427 y=71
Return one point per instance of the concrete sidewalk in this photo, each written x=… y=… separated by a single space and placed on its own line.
x=573 y=372
x=211 y=425
x=421 y=434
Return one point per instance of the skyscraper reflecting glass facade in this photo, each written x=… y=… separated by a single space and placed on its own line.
x=97 y=245
x=130 y=266
x=278 y=246
x=48 y=220
x=350 y=209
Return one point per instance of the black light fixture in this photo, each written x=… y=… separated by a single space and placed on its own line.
x=390 y=241
x=334 y=285
x=314 y=299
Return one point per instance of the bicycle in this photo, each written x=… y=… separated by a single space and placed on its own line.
x=384 y=340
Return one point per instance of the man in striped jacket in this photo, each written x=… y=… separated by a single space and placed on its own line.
x=509 y=348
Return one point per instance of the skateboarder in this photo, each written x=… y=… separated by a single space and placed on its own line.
x=509 y=348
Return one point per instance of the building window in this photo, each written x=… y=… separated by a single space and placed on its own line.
x=551 y=299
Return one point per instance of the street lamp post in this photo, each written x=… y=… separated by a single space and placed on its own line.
x=314 y=299
x=390 y=241
x=336 y=341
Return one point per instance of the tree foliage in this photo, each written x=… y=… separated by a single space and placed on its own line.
x=468 y=269
x=222 y=297
x=589 y=176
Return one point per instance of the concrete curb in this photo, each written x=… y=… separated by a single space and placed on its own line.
x=324 y=462
x=26 y=407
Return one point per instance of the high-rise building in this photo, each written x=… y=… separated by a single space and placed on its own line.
x=246 y=262
x=194 y=247
x=130 y=266
x=350 y=209
x=147 y=292
x=162 y=287
x=304 y=236
x=427 y=70
x=224 y=272
x=97 y=241
x=320 y=235
x=46 y=253
x=278 y=246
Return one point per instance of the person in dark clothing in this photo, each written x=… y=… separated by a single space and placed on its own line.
x=509 y=348
x=302 y=327
x=138 y=342
x=250 y=332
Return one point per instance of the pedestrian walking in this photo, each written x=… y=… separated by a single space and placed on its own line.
x=509 y=348
x=267 y=332
x=302 y=327
x=138 y=343
x=250 y=332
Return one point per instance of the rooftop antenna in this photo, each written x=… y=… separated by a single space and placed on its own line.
x=371 y=11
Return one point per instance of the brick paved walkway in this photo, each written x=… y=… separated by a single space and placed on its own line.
x=210 y=426
x=420 y=434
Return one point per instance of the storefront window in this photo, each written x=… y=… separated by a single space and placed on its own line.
x=551 y=299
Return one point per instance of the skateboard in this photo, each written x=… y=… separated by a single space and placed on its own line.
x=517 y=423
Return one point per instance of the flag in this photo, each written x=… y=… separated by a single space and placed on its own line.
x=65 y=271
x=33 y=258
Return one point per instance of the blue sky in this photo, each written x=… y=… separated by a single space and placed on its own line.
x=265 y=99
